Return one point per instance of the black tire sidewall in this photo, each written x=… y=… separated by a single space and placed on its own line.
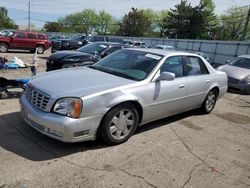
x=105 y=124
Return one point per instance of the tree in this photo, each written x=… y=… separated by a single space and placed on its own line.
x=53 y=27
x=232 y=24
x=135 y=23
x=190 y=22
x=5 y=21
x=104 y=23
x=84 y=21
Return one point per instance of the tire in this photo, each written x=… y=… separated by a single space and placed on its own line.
x=4 y=94
x=4 y=47
x=209 y=102
x=116 y=129
x=40 y=49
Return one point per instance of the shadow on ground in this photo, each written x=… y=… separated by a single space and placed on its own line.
x=19 y=138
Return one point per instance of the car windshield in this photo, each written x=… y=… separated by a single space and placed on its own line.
x=93 y=48
x=130 y=64
x=241 y=62
x=7 y=34
x=76 y=37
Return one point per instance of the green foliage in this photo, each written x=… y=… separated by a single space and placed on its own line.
x=53 y=27
x=155 y=18
x=80 y=22
x=189 y=22
x=104 y=23
x=135 y=23
x=5 y=21
x=232 y=23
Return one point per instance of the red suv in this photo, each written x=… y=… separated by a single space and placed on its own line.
x=24 y=40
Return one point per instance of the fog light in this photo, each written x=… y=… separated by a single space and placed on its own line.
x=81 y=133
x=53 y=132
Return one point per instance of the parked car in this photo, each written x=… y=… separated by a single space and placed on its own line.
x=164 y=47
x=72 y=43
x=83 y=56
x=205 y=56
x=238 y=72
x=92 y=38
x=24 y=40
x=111 y=98
x=138 y=44
x=4 y=32
x=57 y=37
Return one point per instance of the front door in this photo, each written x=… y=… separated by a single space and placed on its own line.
x=168 y=97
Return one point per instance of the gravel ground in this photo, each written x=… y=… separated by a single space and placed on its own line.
x=187 y=150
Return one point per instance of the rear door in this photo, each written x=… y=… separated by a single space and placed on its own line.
x=31 y=40
x=198 y=79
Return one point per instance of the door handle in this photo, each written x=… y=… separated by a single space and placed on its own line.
x=181 y=86
x=208 y=81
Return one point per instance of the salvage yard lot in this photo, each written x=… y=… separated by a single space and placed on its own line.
x=187 y=150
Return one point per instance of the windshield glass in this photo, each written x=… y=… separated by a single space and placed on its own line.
x=134 y=65
x=76 y=37
x=241 y=62
x=94 y=48
x=7 y=34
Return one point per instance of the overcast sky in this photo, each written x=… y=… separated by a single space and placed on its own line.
x=50 y=10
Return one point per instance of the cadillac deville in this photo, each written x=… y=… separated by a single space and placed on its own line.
x=124 y=90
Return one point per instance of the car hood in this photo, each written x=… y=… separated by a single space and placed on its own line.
x=76 y=82
x=235 y=72
x=68 y=54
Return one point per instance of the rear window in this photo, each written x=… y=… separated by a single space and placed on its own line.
x=195 y=66
x=41 y=36
x=31 y=36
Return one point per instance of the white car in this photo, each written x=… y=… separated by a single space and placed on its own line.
x=126 y=89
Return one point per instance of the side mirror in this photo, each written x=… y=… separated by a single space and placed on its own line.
x=227 y=62
x=169 y=76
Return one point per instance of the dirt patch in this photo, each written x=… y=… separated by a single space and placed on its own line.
x=191 y=125
x=236 y=118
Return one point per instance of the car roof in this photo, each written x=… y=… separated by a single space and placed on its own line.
x=245 y=56
x=110 y=43
x=161 y=51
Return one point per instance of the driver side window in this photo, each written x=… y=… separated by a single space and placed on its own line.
x=174 y=65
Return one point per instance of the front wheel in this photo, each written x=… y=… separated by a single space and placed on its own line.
x=209 y=102
x=119 y=124
x=4 y=94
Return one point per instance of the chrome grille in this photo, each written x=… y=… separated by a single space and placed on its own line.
x=36 y=97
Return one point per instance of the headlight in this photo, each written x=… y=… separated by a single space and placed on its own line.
x=70 y=107
x=80 y=43
x=71 y=59
x=246 y=80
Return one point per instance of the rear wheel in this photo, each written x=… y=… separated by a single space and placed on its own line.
x=119 y=124
x=4 y=94
x=209 y=102
x=40 y=49
x=4 y=47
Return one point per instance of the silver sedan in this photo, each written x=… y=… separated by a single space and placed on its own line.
x=238 y=72
x=126 y=89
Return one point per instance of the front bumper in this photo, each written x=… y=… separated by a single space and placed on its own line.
x=242 y=88
x=59 y=127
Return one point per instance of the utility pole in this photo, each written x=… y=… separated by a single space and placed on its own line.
x=29 y=16
x=246 y=25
